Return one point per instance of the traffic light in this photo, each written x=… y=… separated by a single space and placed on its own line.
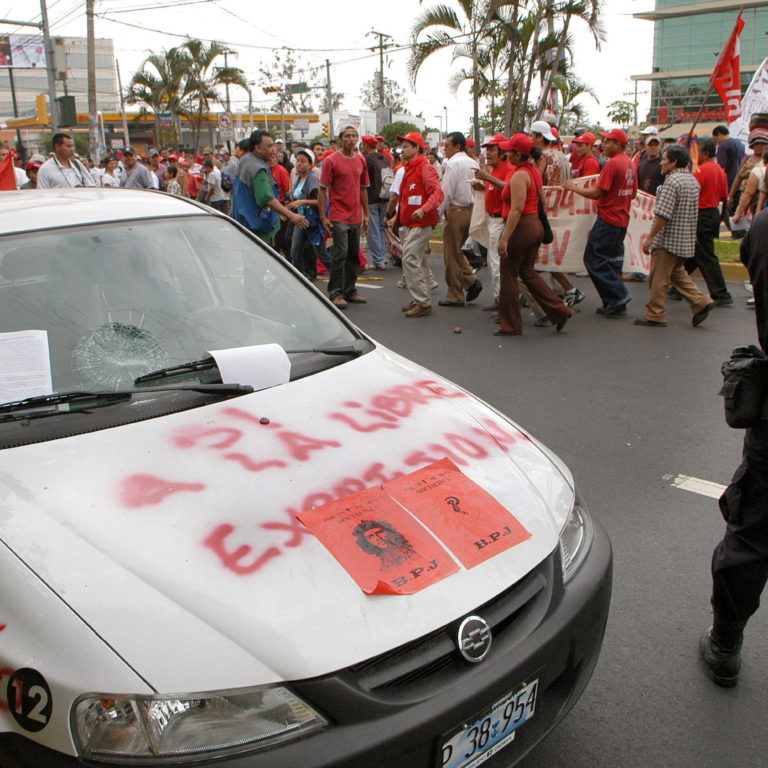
x=326 y=131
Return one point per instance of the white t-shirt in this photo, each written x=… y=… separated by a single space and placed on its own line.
x=214 y=179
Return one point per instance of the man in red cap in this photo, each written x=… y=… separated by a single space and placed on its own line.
x=585 y=163
x=420 y=197
x=494 y=176
x=378 y=197
x=604 y=255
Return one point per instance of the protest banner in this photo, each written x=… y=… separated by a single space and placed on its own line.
x=755 y=100
x=571 y=217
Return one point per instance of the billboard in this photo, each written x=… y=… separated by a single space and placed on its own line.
x=24 y=51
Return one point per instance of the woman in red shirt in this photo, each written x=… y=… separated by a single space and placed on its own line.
x=520 y=241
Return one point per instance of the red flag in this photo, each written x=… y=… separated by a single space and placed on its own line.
x=7 y=173
x=727 y=74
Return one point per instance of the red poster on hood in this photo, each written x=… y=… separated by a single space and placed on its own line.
x=467 y=519
x=383 y=548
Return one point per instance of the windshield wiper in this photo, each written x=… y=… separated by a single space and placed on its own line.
x=353 y=350
x=63 y=402
x=196 y=365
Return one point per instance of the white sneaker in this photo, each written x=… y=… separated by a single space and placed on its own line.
x=434 y=285
x=401 y=282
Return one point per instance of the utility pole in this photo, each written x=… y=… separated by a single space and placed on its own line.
x=226 y=85
x=93 y=118
x=381 y=46
x=330 y=96
x=126 y=140
x=52 y=107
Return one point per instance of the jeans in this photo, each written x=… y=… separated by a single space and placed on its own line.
x=604 y=260
x=376 y=239
x=345 y=259
x=304 y=255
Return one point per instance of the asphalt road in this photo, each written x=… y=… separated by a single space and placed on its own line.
x=629 y=409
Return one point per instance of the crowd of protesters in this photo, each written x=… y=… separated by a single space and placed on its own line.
x=319 y=205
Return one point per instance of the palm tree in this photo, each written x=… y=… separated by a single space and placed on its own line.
x=442 y=28
x=570 y=89
x=203 y=80
x=158 y=87
x=586 y=10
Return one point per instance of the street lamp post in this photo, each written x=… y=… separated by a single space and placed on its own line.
x=446 y=119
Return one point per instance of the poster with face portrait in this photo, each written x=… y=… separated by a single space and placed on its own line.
x=22 y=51
x=382 y=547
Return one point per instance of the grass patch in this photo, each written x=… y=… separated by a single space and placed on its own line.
x=728 y=251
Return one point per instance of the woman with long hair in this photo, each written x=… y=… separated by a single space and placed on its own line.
x=520 y=241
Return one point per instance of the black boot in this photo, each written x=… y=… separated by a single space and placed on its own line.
x=721 y=653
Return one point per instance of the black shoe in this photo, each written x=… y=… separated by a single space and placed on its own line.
x=446 y=303
x=723 y=664
x=559 y=327
x=726 y=301
x=673 y=293
x=703 y=314
x=650 y=323
x=474 y=290
x=620 y=311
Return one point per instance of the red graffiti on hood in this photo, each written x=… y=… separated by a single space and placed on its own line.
x=142 y=490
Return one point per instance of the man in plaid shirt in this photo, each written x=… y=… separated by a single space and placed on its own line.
x=672 y=240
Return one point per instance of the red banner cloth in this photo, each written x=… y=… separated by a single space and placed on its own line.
x=727 y=74
x=7 y=173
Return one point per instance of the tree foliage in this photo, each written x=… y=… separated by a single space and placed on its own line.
x=400 y=128
x=182 y=82
x=622 y=112
x=394 y=96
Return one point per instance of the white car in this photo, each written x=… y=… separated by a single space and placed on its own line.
x=173 y=396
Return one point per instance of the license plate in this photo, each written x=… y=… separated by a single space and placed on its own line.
x=494 y=728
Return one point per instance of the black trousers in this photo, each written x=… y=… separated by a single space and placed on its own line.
x=707 y=229
x=740 y=560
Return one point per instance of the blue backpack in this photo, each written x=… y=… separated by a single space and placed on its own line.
x=246 y=212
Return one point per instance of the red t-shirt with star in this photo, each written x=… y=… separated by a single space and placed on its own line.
x=619 y=180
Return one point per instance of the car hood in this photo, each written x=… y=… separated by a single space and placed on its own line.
x=175 y=538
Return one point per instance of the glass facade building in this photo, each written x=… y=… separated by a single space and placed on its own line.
x=688 y=38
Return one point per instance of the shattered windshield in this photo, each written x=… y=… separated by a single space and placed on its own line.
x=121 y=300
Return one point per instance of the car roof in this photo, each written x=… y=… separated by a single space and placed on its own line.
x=33 y=209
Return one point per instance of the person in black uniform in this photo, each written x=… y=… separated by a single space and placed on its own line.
x=740 y=560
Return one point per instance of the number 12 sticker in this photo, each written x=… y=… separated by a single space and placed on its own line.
x=29 y=699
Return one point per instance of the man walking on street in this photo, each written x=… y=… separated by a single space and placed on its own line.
x=714 y=190
x=730 y=153
x=672 y=240
x=377 y=199
x=344 y=183
x=458 y=171
x=421 y=194
x=136 y=174
x=740 y=560
x=255 y=198
x=494 y=176
x=604 y=255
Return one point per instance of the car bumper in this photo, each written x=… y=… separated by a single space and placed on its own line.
x=380 y=726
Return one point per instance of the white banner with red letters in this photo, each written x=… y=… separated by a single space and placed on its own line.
x=571 y=217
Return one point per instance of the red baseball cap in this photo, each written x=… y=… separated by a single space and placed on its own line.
x=495 y=140
x=370 y=141
x=585 y=138
x=471 y=143
x=520 y=142
x=617 y=135
x=415 y=138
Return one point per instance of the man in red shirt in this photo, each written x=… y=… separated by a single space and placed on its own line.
x=585 y=163
x=714 y=190
x=419 y=198
x=604 y=255
x=494 y=176
x=344 y=183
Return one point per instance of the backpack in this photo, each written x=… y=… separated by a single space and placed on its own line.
x=387 y=177
x=227 y=182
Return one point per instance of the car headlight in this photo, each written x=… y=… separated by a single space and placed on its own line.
x=574 y=538
x=144 y=729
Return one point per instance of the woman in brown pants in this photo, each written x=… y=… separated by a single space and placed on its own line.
x=520 y=243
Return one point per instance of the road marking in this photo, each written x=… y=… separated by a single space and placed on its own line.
x=370 y=287
x=697 y=485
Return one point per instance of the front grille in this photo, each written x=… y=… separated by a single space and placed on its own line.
x=434 y=658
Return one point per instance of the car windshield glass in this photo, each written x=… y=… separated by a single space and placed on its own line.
x=124 y=299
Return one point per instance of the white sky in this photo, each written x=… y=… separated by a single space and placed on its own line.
x=341 y=27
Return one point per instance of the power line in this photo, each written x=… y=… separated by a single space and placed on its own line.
x=164 y=5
